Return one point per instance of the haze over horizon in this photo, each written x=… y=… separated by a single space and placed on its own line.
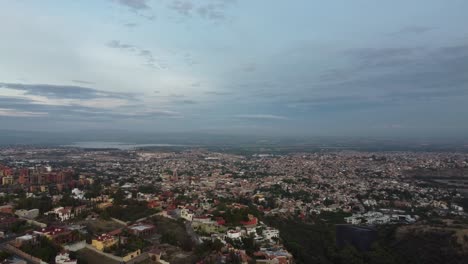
x=329 y=68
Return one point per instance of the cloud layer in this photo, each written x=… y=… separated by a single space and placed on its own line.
x=312 y=67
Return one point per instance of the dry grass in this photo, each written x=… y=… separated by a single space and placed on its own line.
x=93 y=257
x=101 y=226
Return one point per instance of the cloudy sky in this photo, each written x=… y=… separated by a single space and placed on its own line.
x=308 y=67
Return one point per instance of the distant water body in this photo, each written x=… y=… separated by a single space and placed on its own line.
x=115 y=145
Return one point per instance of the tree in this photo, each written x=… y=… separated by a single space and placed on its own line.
x=350 y=255
x=4 y=255
x=119 y=197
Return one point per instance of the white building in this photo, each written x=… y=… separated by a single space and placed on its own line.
x=457 y=208
x=78 y=194
x=353 y=220
x=29 y=214
x=234 y=234
x=63 y=213
x=270 y=233
x=64 y=258
x=185 y=214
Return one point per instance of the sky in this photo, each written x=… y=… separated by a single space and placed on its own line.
x=299 y=67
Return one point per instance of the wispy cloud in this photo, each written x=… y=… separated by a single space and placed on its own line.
x=71 y=103
x=82 y=82
x=185 y=102
x=153 y=113
x=261 y=117
x=218 y=93
x=403 y=73
x=17 y=113
x=147 y=55
x=210 y=9
x=130 y=25
x=134 y=4
x=64 y=91
x=413 y=30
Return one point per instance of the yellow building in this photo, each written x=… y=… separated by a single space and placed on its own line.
x=104 y=205
x=8 y=180
x=131 y=255
x=104 y=241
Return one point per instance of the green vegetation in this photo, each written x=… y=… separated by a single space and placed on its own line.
x=315 y=243
x=20 y=227
x=45 y=249
x=277 y=191
x=94 y=190
x=333 y=217
x=131 y=211
x=43 y=203
x=132 y=244
x=234 y=216
x=148 y=189
x=173 y=232
x=207 y=247
x=67 y=200
x=4 y=255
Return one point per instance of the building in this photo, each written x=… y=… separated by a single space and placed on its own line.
x=7 y=220
x=8 y=180
x=25 y=240
x=78 y=194
x=59 y=235
x=234 y=234
x=155 y=256
x=6 y=209
x=63 y=213
x=142 y=229
x=64 y=258
x=29 y=214
x=253 y=221
x=104 y=241
x=270 y=233
x=131 y=255
x=185 y=214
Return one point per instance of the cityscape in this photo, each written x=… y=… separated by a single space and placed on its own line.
x=192 y=205
x=234 y=132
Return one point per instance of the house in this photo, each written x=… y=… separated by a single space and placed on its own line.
x=63 y=213
x=153 y=204
x=185 y=214
x=202 y=219
x=155 y=256
x=275 y=255
x=253 y=221
x=234 y=234
x=270 y=233
x=353 y=220
x=142 y=229
x=80 y=209
x=457 y=208
x=8 y=180
x=104 y=241
x=78 y=194
x=60 y=235
x=6 y=209
x=25 y=240
x=29 y=214
x=7 y=220
x=131 y=255
x=64 y=258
